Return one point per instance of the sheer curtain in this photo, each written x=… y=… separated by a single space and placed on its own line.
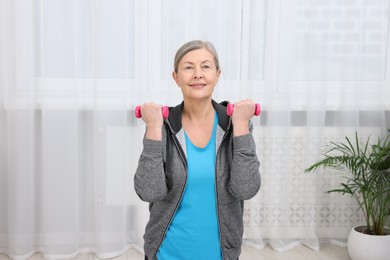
x=71 y=73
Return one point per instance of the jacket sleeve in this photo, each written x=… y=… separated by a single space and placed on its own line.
x=245 y=174
x=149 y=178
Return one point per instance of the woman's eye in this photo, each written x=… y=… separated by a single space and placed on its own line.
x=206 y=67
x=187 y=67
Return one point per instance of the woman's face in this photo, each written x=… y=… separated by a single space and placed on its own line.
x=197 y=74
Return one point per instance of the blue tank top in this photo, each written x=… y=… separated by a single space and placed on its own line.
x=194 y=233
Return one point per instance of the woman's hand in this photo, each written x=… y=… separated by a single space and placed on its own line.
x=152 y=116
x=243 y=112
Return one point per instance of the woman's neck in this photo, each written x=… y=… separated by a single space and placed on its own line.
x=198 y=110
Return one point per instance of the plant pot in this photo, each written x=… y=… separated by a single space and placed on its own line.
x=362 y=246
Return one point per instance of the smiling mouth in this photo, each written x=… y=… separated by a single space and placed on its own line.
x=197 y=85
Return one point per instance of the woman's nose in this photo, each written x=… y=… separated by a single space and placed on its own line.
x=198 y=73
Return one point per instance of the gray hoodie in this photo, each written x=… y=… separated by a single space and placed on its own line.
x=161 y=177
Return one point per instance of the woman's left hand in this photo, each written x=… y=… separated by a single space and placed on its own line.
x=243 y=112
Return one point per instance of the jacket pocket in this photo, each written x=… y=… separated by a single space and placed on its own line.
x=159 y=218
x=232 y=224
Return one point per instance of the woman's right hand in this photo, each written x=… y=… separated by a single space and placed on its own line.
x=152 y=116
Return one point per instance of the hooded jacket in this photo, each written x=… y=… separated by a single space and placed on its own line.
x=161 y=177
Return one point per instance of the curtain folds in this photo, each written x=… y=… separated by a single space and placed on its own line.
x=72 y=72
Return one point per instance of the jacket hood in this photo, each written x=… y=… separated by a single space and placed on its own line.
x=175 y=113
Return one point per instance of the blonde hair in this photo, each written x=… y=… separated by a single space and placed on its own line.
x=195 y=45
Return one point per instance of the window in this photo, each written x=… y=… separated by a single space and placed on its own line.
x=121 y=52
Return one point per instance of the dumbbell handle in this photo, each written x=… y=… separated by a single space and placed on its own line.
x=230 y=109
x=164 y=110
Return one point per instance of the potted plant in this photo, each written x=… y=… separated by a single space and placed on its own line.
x=367 y=174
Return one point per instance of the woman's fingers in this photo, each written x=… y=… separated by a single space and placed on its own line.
x=244 y=110
x=151 y=114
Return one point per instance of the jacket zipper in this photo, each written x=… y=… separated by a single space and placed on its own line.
x=181 y=153
x=216 y=189
x=180 y=149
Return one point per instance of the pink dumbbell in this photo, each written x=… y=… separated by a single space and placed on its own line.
x=230 y=109
x=164 y=110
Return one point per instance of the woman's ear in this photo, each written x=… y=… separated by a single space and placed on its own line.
x=174 y=76
x=218 y=73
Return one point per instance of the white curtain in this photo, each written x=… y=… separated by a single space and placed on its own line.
x=71 y=73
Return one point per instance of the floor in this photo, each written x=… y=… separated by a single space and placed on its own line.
x=327 y=252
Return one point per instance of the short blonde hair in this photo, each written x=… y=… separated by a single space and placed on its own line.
x=195 y=45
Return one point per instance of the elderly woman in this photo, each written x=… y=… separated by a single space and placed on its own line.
x=197 y=166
